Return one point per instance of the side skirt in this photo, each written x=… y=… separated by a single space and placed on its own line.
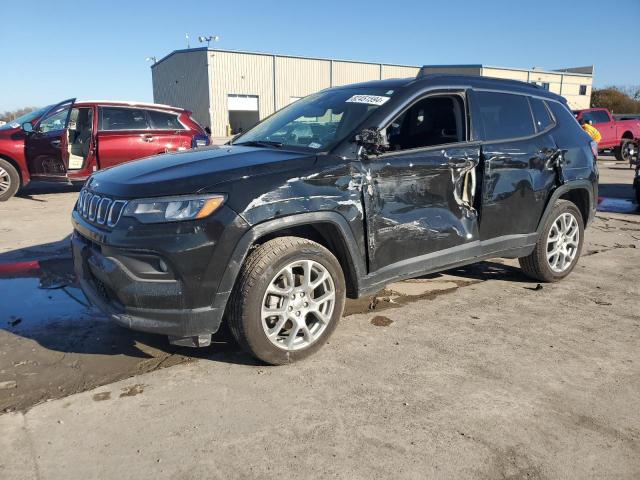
x=510 y=246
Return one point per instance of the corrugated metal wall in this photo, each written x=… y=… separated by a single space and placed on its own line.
x=345 y=73
x=277 y=80
x=183 y=81
x=239 y=74
x=202 y=80
x=299 y=77
x=398 y=71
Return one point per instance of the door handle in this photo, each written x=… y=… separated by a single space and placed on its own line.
x=56 y=143
x=147 y=138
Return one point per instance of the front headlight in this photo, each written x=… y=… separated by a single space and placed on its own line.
x=173 y=209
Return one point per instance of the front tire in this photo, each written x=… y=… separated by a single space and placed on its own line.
x=287 y=301
x=623 y=151
x=558 y=248
x=9 y=180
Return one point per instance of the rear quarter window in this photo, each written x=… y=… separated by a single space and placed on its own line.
x=541 y=116
x=570 y=132
x=164 y=120
x=119 y=118
x=504 y=115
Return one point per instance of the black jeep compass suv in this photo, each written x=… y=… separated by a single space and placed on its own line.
x=336 y=195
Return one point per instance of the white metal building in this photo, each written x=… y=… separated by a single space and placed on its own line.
x=231 y=90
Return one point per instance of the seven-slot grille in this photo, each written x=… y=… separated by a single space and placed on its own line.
x=99 y=209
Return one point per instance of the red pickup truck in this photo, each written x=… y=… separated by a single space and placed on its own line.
x=616 y=134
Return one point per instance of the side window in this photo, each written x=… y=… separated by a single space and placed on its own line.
x=504 y=115
x=600 y=116
x=164 y=120
x=55 y=120
x=432 y=121
x=541 y=115
x=121 y=118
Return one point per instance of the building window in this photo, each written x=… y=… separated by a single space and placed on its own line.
x=583 y=89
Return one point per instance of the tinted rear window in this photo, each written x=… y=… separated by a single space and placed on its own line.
x=118 y=118
x=541 y=115
x=504 y=115
x=164 y=120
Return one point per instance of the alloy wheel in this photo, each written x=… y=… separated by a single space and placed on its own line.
x=298 y=305
x=5 y=181
x=627 y=150
x=563 y=242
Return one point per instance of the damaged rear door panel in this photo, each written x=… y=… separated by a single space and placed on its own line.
x=518 y=166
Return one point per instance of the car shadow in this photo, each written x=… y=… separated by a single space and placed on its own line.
x=43 y=188
x=490 y=270
x=49 y=308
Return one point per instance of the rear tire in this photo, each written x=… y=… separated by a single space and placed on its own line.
x=277 y=312
x=9 y=180
x=558 y=248
x=621 y=152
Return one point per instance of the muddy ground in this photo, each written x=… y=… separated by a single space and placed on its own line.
x=53 y=344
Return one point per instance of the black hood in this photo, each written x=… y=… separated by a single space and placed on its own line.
x=193 y=171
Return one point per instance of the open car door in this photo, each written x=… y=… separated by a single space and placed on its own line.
x=46 y=145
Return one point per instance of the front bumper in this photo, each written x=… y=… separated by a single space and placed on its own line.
x=115 y=273
x=103 y=280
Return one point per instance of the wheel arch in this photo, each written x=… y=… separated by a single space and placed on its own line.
x=329 y=229
x=580 y=193
x=628 y=135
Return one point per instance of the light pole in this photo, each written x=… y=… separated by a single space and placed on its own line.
x=209 y=39
x=153 y=60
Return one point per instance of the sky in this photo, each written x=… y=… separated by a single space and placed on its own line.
x=51 y=50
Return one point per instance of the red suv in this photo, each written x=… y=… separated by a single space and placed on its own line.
x=70 y=141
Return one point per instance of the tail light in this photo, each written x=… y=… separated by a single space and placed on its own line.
x=594 y=148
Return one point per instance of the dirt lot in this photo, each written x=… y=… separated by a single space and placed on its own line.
x=476 y=373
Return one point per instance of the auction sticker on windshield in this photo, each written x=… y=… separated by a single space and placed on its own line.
x=368 y=99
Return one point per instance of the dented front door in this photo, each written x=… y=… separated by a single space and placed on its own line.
x=420 y=202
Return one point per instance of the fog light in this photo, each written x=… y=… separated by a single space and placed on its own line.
x=163 y=266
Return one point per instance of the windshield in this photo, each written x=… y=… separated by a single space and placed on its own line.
x=27 y=117
x=319 y=121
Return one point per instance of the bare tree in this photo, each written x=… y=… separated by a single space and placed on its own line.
x=10 y=115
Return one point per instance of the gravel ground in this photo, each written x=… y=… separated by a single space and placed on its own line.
x=476 y=373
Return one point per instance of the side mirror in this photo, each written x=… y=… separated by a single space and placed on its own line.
x=27 y=127
x=372 y=141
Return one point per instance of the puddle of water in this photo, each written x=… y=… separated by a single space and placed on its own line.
x=26 y=306
x=616 y=205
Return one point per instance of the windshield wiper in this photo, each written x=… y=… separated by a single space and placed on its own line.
x=261 y=143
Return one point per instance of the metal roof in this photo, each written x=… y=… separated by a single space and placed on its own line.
x=246 y=52
x=560 y=71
